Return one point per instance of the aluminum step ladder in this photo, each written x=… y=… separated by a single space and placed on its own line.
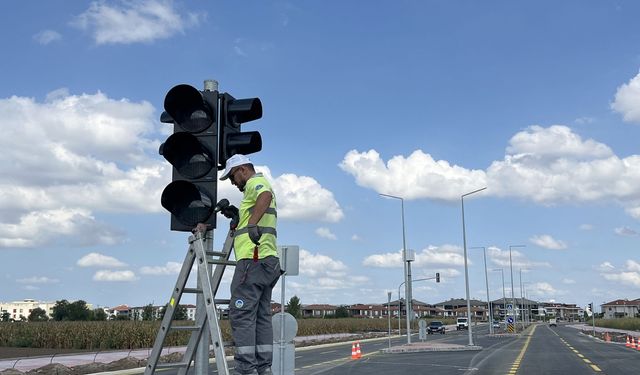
x=209 y=287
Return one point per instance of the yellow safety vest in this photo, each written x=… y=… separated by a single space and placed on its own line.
x=242 y=244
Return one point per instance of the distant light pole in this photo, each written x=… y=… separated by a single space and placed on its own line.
x=522 y=298
x=504 y=298
x=486 y=279
x=513 y=299
x=466 y=268
x=389 y=316
x=405 y=263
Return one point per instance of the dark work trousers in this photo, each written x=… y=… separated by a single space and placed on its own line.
x=250 y=313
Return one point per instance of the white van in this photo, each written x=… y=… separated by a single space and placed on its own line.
x=462 y=323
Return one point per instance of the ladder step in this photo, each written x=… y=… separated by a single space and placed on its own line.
x=185 y=328
x=171 y=365
x=222 y=301
x=191 y=290
x=216 y=253
x=221 y=261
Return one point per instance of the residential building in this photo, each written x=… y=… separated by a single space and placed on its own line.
x=19 y=310
x=318 y=311
x=621 y=308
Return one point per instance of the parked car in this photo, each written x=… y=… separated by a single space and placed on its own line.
x=496 y=324
x=553 y=322
x=435 y=326
x=462 y=323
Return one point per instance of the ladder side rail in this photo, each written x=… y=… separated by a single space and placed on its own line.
x=201 y=319
x=170 y=309
x=212 y=315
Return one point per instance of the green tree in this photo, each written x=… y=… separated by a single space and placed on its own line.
x=78 y=310
x=60 y=310
x=38 y=315
x=5 y=316
x=147 y=312
x=99 y=315
x=181 y=313
x=294 y=308
x=342 y=312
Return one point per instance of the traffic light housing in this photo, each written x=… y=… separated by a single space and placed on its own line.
x=192 y=150
x=437 y=277
x=233 y=113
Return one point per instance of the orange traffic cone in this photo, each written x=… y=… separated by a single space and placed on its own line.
x=628 y=344
x=354 y=353
x=634 y=343
x=358 y=352
x=638 y=344
x=607 y=338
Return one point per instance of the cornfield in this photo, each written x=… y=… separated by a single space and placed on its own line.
x=108 y=335
x=630 y=324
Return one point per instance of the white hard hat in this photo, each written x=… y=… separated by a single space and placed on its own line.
x=232 y=162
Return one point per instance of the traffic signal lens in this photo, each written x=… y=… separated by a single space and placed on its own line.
x=243 y=143
x=186 y=106
x=187 y=155
x=189 y=204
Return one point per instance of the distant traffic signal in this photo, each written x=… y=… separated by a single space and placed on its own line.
x=192 y=150
x=437 y=277
x=233 y=113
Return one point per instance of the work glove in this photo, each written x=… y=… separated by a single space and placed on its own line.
x=230 y=212
x=254 y=233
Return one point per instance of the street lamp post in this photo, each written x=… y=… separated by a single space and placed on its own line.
x=504 y=298
x=513 y=300
x=486 y=279
x=523 y=319
x=405 y=263
x=466 y=268
x=389 y=315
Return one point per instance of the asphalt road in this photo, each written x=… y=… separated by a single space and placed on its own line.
x=541 y=350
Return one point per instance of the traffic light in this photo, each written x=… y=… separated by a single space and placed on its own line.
x=437 y=277
x=233 y=113
x=192 y=151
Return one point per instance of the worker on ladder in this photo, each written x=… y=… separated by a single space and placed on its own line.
x=257 y=270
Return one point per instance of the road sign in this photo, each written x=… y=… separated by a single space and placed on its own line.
x=510 y=319
x=509 y=307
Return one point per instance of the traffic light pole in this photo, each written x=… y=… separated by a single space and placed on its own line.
x=202 y=354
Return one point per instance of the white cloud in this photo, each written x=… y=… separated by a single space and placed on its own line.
x=107 y=275
x=568 y=281
x=326 y=233
x=629 y=276
x=606 y=267
x=544 y=290
x=303 y=198
x=77 y=226
x=171 y=268
x=318 y=266
x=501 y=259
x=135 y=21
x=99 y=260
x=625 y=231
x=447 y=255
x=545 y=165
x=45 y=37
x=355 y=237
x=37 y=280
x=586 y=227
x=627 y=100
x=93 y=155
x=548 y=242
x=417 y=176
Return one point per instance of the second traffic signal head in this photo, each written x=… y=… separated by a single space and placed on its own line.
x=233 y=113
x=192 y=151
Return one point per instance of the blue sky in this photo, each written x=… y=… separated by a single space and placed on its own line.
x=428 y=100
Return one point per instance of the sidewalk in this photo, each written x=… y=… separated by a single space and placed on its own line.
x=25 y=364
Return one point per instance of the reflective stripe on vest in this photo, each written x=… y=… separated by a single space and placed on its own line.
x=263 y=230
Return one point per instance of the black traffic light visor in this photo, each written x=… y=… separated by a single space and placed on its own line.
x=188 y=109
x=188 y=155
x=189 y=204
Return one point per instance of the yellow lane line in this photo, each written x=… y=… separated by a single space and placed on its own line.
x=516 y=364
